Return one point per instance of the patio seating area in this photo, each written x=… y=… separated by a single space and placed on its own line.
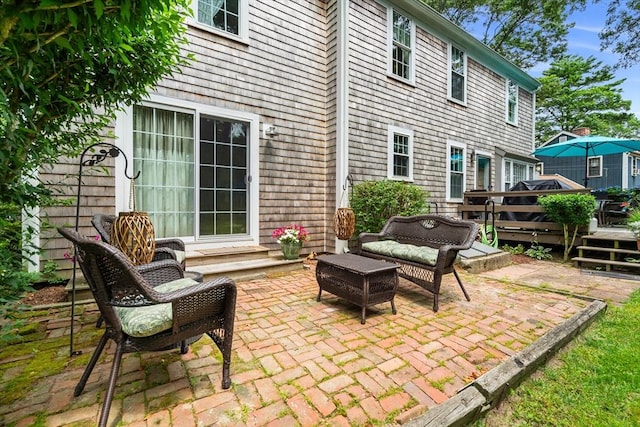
x=296 y=361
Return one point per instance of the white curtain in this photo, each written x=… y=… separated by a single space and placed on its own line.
x=163 y=147
x=207 y=9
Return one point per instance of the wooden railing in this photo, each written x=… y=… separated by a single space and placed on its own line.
x=487 y=207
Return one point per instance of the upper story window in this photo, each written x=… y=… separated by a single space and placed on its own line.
x=456 y=171
x=401 y=45
x=457 y=75
x=512 y=102
x=400 y=156
x=594 y=166
x=228 y=17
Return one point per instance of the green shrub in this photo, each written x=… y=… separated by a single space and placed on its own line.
x=374 y=202
x=571 y=211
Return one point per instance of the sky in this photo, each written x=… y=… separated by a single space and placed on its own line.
x=583 y=40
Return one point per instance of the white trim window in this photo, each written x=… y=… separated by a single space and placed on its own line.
x=401 y=37
x=226 y=17
x=456 y=171
x=515 y=171
x=594 y=166
x=400 y=154
x=457 y=75
x=512 y=102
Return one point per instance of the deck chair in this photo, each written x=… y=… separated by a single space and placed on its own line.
x=168 y=248
x=141 y=317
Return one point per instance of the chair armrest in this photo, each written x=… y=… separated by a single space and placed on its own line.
x=211 y=287
x=162 y=253
x=175 y=244
x=159 y=272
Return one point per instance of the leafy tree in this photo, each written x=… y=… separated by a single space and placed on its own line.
x=65 y=69
x=581 y=92
x=621 y=32
x=526 y=32
x=571 y=211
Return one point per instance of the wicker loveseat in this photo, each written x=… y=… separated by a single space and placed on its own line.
x=425 y=246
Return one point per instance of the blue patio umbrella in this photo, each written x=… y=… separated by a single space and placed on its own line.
x=592 y=145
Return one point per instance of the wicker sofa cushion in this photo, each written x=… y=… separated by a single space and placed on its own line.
x=149 y=320
x=391 y=248
x=180 y=255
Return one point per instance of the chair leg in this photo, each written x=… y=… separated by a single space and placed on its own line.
x=113 y=377
x=464 y=291
x=91 y=365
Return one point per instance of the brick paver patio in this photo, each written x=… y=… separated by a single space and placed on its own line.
x=301 y=362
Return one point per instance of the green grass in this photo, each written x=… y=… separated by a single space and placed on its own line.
x=596 y=383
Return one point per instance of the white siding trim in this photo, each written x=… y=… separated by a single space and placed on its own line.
x=342 y=109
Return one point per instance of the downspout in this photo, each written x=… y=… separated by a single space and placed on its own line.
x=342 y=110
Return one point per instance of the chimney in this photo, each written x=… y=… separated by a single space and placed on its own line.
x=582 y=131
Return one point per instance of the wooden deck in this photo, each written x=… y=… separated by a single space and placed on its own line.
x=488 y=208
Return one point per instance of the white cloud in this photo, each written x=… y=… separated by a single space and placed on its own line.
x=588 y=29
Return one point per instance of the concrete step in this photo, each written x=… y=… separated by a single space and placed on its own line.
x=224 y=255
x=248 y=269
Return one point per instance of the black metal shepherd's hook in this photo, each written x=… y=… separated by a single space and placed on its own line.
x=96 y=158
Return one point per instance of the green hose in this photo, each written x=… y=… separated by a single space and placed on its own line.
x=489 y=235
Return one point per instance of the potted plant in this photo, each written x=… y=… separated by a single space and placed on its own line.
x=633 y=224
x=290 y=239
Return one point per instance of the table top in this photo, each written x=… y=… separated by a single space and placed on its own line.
x=357 y=264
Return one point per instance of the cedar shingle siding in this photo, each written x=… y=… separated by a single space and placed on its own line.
x=287 y=75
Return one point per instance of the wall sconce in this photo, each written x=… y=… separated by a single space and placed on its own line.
x=269 y=131
x=539 y=168
x=473 y=156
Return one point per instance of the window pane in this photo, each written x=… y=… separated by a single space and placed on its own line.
x=401 y=29
x=220 y=14
x=400 y=166
x=401 y=62
x=226 y=177
x=456 y=185
x=457 y=86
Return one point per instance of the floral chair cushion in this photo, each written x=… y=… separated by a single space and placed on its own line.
x=391 y=248
x=149 y=320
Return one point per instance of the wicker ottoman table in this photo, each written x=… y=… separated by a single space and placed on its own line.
x=362 y=281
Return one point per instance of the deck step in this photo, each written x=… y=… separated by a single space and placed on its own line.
x=607 y=262
x=608 y=250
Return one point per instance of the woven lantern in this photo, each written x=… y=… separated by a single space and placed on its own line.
x=344 y=223
x=132 y=233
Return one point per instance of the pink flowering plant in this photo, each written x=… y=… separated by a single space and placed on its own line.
x=293 y=233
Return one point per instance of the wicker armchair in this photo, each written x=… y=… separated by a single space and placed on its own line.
x=141 y=317
x=165 y=248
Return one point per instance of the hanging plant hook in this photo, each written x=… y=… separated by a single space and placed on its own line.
x=95 y=158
